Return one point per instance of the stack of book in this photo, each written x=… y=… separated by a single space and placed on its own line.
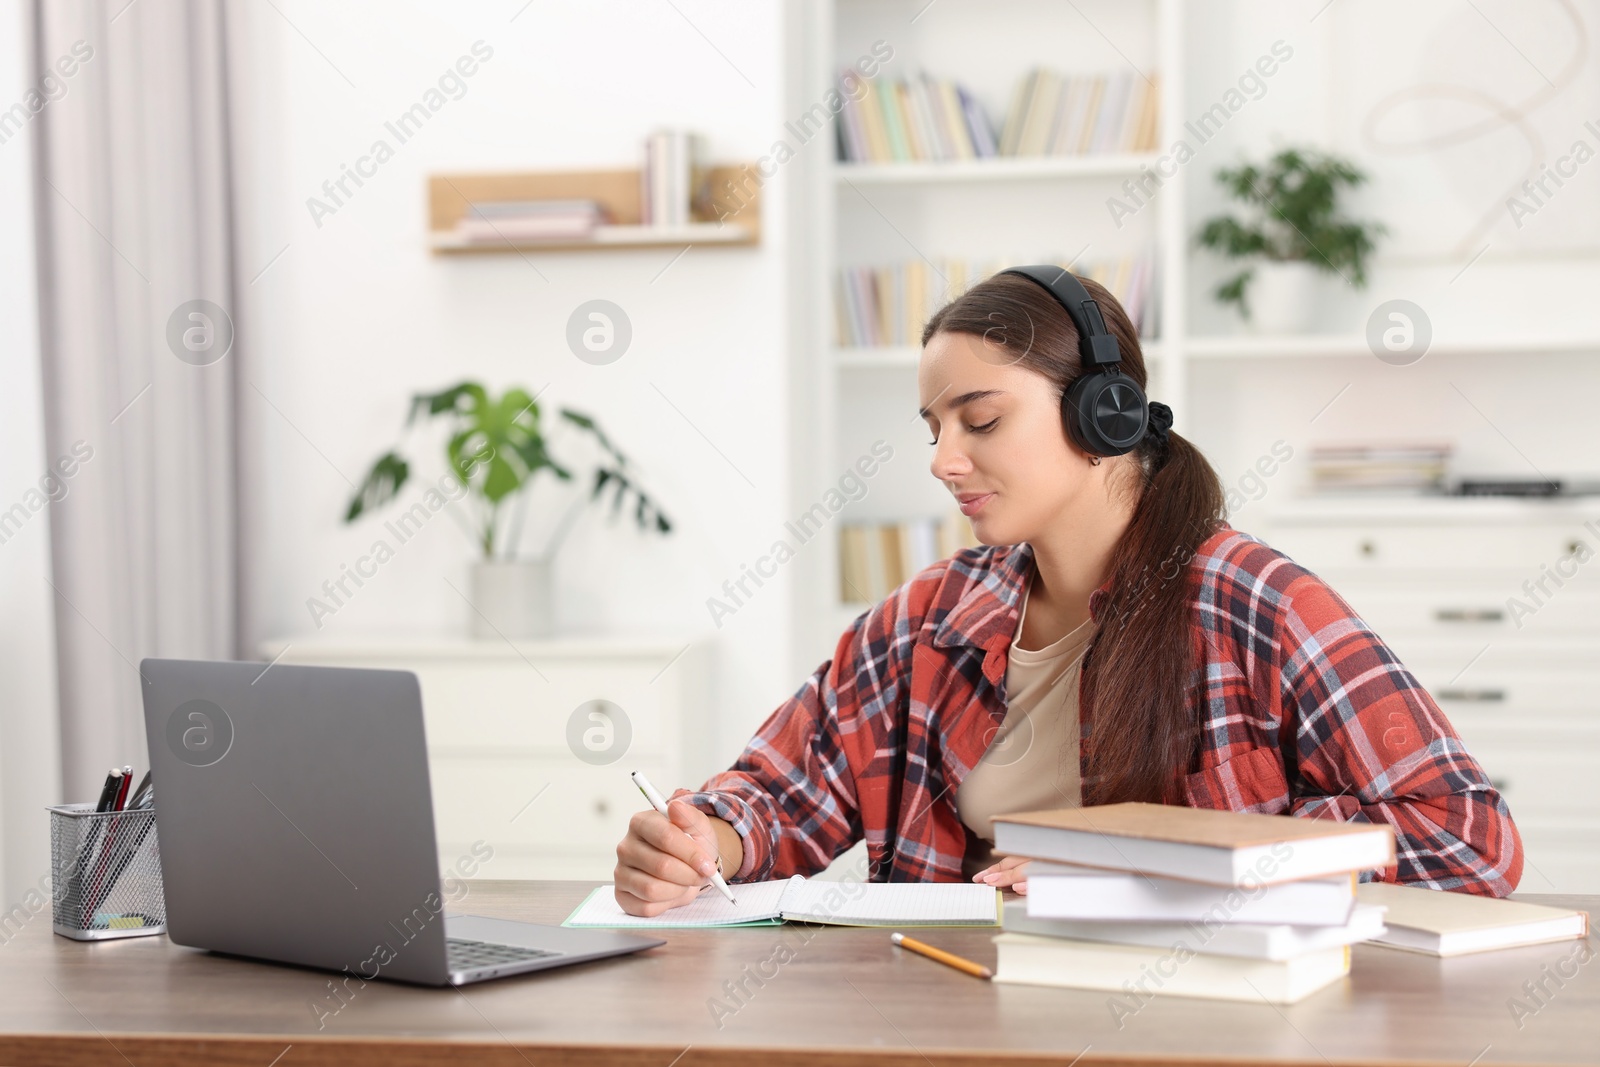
x=888 y=305
x=877 y=558
x=1399 y=467
x=1145 y=899
x=1060 y=115
x=530 y=221
x=921 y=120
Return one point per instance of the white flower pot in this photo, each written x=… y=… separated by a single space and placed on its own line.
x=512 y=599
x=1283 y=298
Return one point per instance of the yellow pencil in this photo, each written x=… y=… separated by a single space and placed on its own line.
x=977 y=970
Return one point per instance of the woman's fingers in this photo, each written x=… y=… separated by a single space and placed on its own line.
x=1008 y=872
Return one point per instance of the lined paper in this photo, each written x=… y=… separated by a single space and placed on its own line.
x=801 y=900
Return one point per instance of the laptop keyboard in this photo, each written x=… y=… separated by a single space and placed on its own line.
x=466 y=954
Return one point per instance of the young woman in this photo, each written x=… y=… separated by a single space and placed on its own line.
x=1112 y=639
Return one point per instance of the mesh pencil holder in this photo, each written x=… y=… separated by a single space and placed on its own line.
x=105 y=872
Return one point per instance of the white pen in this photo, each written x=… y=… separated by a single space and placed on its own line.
x=660 y=805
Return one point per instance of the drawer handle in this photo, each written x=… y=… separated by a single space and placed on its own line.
x=1368 y=548
x=602 y=808
x=1470 y=615
x=1476 y=696
x=1500 y=784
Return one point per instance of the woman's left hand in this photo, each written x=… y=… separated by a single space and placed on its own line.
x=1011 y=872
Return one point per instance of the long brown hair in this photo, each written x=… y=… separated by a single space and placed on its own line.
x=1144 y=656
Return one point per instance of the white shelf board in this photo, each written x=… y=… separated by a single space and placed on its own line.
x=610 y=236
x=868 y=357
x=1292 y=346
x=995 y=168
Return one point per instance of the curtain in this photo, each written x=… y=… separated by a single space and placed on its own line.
x=134 y=218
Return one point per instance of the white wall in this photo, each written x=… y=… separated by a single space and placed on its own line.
x=30 y=772
x=355 y=314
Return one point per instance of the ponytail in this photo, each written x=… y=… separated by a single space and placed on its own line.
x=1140 y=684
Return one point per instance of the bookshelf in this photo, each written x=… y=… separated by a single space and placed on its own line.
x=450 y=196
x=1013 y=208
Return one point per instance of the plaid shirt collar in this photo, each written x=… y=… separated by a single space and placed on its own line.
x=986 y=615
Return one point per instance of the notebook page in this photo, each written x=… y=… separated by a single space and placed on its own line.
x=893 y=903
x=758 y=902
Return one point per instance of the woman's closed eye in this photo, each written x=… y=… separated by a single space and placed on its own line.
x=984 y=428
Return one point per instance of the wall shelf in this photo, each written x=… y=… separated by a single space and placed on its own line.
x=734 y=190
x=1294 y=346
x=995 y=168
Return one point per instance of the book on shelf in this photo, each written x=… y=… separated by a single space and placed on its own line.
x=1250 y=940
x=503 y=221
x=1067 y=891
x=906 y=120
x=1138 y=972
x=888 y=305
x=1441 y=923
x=877 y=558
x=1226 y=848
x=1055 y=114
x=1380 y=466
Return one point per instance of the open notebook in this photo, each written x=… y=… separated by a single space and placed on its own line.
x=798 y=899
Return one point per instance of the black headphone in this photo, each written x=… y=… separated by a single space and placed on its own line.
x=1105 y=412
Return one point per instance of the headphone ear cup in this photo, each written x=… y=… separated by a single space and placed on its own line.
x=1105 y=413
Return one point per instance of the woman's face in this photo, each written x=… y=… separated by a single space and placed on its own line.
x=999 y=445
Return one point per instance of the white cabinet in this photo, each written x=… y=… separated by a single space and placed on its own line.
x=1494 y=606
x=530 y=745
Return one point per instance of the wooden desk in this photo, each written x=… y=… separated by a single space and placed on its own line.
x=845 y=997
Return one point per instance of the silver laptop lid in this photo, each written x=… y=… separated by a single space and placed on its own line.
x=294 y=815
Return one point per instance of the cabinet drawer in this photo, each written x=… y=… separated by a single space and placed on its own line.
x=1559 y=856
x=1471 y=610
x=495 y=707
x=1517 y=694
x=578 y=809
x=1364 y=547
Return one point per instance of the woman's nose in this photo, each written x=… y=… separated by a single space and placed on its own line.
x=949 y=460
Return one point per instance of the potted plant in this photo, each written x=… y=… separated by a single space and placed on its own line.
x=1292 y=231
x=495 y=450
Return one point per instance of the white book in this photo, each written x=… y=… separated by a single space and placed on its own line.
x=799 y=899
x=1063 y=891
x=1257 y=941
x=1442 y=923
x=1135 y=972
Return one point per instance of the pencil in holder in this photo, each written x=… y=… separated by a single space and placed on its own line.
x=105 y=873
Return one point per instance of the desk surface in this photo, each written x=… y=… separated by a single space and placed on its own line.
x=837 y=996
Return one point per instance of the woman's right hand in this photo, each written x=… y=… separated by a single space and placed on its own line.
x=659 y=866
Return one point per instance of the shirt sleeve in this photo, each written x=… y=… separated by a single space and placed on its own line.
x=792 y=795
x=1372 y=746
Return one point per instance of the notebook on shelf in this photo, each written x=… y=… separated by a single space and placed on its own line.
x=1442 y=923
x=1199 y=844
x=799 y=899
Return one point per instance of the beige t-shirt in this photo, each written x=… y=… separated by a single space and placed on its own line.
x=1033 y=761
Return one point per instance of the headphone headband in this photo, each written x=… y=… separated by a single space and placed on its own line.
x=1096 y=345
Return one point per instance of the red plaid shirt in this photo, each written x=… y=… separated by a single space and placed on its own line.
x=1307 y=712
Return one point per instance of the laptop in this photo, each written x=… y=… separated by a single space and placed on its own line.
x=296 y=825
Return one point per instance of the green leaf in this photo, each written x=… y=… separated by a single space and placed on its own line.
x=380 y=485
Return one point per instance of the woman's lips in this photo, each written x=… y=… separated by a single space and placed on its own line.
x=971 y=505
